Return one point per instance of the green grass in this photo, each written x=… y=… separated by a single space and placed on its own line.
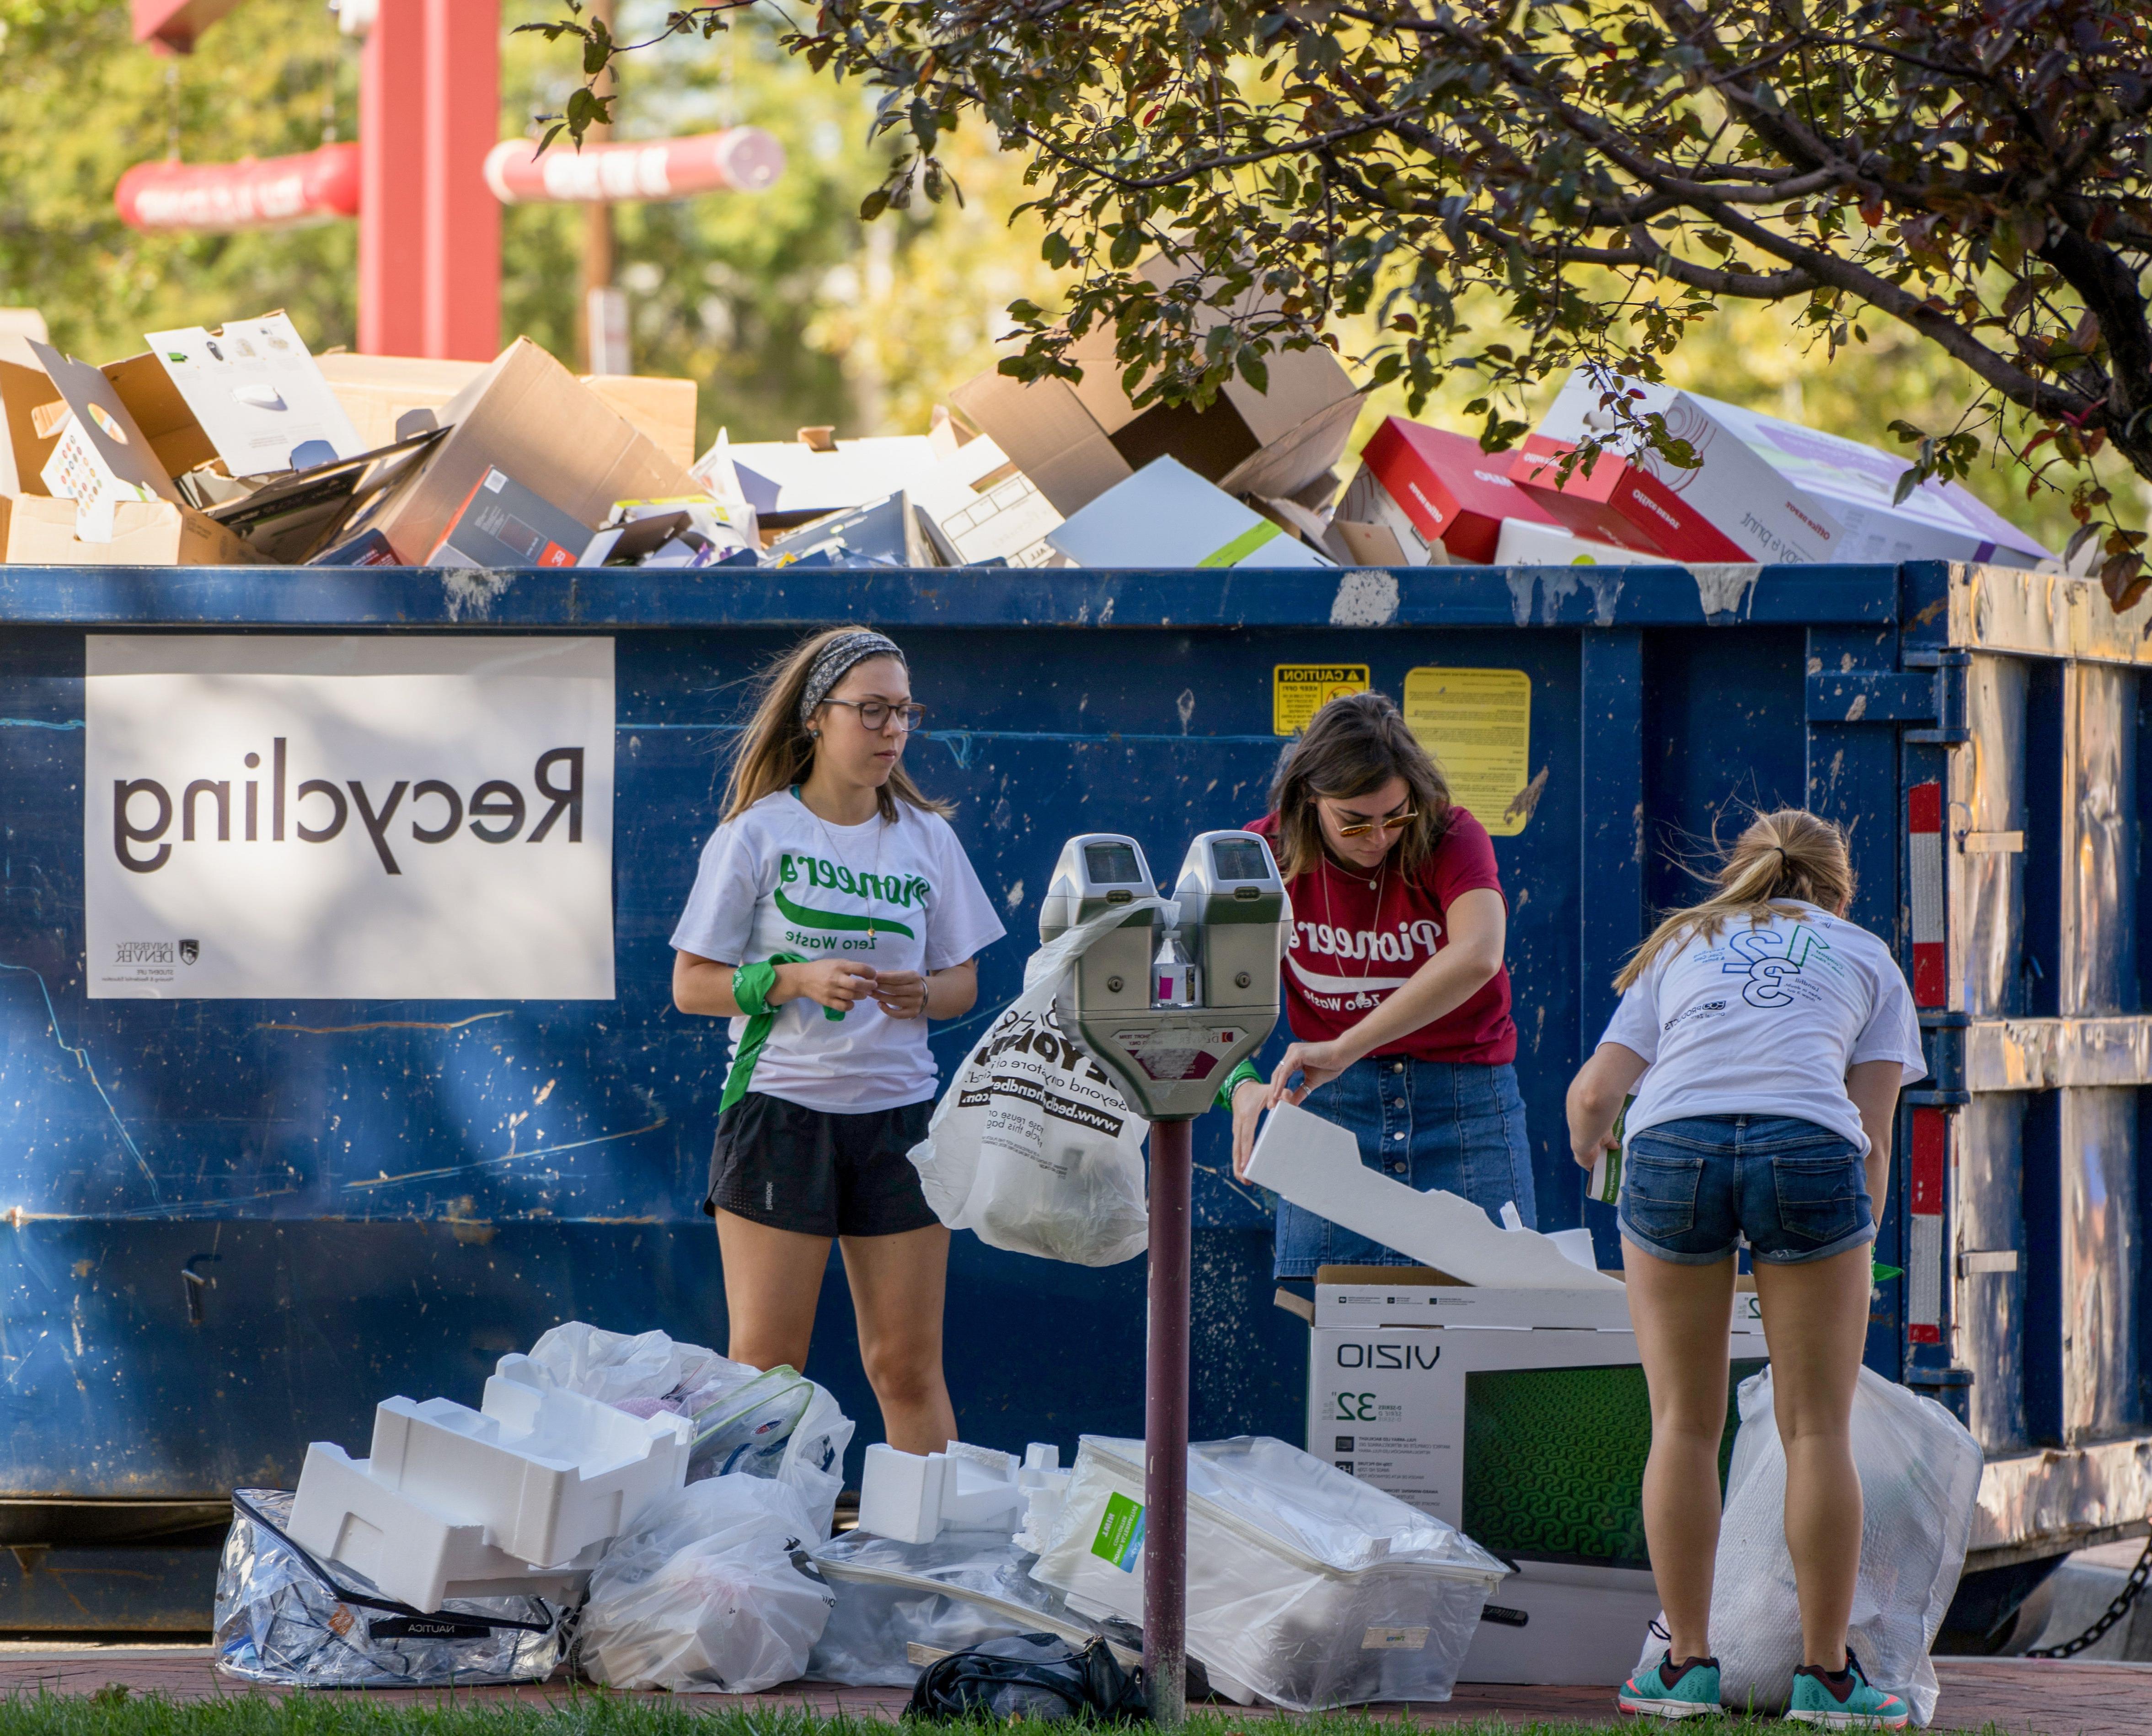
x=594 y=1712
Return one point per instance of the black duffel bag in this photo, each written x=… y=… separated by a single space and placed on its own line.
x=1031 y=1675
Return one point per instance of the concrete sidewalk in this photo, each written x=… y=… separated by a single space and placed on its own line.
x=2018 y=1694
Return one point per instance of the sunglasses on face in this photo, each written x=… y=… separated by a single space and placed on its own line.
x=1361 y=828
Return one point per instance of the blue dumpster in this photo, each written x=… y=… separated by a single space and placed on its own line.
x=233 y=1226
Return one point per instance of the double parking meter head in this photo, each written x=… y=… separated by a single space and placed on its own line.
x=1169 y=1008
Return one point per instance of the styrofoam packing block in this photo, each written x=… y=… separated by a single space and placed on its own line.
x=1316 y=1164
x=912 y=1498
x=408 y=1551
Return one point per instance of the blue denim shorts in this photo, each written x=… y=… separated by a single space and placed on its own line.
x=1457 y=1125
x=1796 y=1190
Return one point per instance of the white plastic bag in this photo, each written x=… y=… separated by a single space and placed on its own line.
x=1920 y=1480
x=1305 y=1584
x=709 y=1591
x=1032 y=1147
x=614 y=1367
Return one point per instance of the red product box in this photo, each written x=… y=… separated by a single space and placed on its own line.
x=1445 y=488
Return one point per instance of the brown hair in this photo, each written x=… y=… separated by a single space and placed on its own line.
x=776 y=751
x=1356 y=743
x=1786 y=854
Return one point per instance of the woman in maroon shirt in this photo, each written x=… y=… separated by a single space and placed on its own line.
x=1394 y=986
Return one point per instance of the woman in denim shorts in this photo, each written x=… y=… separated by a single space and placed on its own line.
x=1771 y=1037
x=1395 y=985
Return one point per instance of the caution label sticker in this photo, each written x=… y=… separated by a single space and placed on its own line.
x=1478 y=724
x=1300 y=690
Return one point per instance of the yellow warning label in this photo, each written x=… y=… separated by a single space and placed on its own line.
x=1300 y=690
x=1478 y=724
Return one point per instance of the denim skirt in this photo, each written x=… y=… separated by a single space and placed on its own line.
x=1456 y=1125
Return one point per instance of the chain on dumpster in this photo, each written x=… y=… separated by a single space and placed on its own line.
x=2123 y=1599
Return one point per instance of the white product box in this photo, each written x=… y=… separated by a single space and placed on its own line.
x=975 y=505
x=1524 y=542
x=1732 y=507
x=1167 y=515
x=253 y=387
x=1316 y=1164
x=1527 y=1430
x=1859 y=483
x=542 y=1476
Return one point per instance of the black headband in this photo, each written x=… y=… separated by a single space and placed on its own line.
x=836 y=661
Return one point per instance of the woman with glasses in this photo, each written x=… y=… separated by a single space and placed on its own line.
x=834 y=914
x=1395 y=985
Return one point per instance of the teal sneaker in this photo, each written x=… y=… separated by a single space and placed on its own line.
x=1691 y=1691
x=1845 y=1701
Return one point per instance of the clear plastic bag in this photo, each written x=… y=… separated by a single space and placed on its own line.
x=615 y=1367
x=711 y=1590
x=282 y=1617
x=1920 y=1482
x=780 y=1424
x=1305 y=1584
x=960 y=1590
x=1032 y=1147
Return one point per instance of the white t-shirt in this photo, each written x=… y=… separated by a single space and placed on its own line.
x=1765 y=1021
x=900 y=896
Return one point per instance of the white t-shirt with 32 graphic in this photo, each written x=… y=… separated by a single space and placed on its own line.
x=1765 y=1021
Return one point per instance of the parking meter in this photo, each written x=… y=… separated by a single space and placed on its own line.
x=1169 y=1011
x=1169 y=1008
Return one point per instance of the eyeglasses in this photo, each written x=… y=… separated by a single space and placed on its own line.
x=875 y=714
x=1393 y=823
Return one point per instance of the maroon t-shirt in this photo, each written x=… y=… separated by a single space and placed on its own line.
x=1352 y=944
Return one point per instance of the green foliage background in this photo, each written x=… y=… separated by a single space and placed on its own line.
x=785 y=307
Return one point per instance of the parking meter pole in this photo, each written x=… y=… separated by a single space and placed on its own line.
x=1165 y=1428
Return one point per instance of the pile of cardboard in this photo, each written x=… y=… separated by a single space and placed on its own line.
x=238 y=446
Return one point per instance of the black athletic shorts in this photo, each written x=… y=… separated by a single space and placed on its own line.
x=793 y=1168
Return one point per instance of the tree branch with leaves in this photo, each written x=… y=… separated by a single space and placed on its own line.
x=1611 y=173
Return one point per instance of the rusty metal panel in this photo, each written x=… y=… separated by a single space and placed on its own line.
x=1990 y=1310
x=2041 y=1054
x=2062 y=1495
x=2098 y=855
x=2044 y=614
x=2101 y=1234
x=1986 y=794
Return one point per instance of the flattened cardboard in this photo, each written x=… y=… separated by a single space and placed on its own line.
x=377 y=392
x=253 y=388
x=527 y=415
x=789 y=483
x=976 y=506
x=161 y=413
x=101 y=458
x=1076 y=440
x=40 y=532
x=1167 y=515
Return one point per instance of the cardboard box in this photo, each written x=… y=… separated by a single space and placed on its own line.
x=1527 y=1430
x=253 y=387
x=1425 y=489
x=1167 y=515
x=502 y=524
x=377 y=392
x=526 y=415
x=887 y=530
x=1937 y=521
x=1733 y=507
x=39 y=531
x=1075 y=440
x=101 y=459
x=790 y=483
x=976 y=506
x=23 y=450
x=1526 y=542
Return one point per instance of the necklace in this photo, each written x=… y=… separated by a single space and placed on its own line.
x=1329 y=915
x=829 y=838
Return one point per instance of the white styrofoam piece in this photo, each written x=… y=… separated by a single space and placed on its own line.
x=901 y=1493
x=1316 y=1164
x=411 y=1552
x=979 y=1492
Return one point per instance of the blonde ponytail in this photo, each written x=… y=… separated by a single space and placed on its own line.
x=1787 y=855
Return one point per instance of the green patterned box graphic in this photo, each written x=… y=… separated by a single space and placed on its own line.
x=1554 y=1461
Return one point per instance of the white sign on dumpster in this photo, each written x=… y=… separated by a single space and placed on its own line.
x=376 y=818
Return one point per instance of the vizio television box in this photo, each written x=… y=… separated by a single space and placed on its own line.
x=1520 y=1417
